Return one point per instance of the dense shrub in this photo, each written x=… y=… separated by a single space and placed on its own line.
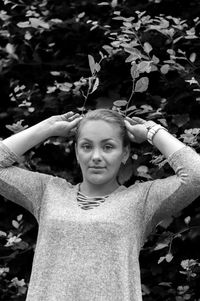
x=139 y=59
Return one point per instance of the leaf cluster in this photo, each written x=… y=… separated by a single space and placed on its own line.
x=133 y=58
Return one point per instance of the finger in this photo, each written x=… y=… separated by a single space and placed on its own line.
x=131 y=137
x=130 y=120
x=67 y=115
x=75 y=122
x=135 y=120
x=128 y=125
x=139 y=120
x=77 y=115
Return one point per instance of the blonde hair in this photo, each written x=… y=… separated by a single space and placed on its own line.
x=109 y=116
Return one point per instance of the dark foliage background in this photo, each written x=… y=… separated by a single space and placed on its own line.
x=45 y=70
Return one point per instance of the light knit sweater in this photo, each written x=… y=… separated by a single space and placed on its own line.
x=92 y=255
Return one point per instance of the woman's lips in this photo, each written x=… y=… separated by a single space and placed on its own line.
x=96 y=168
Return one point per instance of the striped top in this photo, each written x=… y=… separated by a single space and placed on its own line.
x=86 y=202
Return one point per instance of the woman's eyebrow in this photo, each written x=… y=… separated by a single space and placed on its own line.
x=104 y=140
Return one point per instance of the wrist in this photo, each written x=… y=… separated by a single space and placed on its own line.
x=152 y=129
x=49 y=127
x=44 y=129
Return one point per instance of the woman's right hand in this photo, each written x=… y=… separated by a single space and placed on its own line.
x=63 y=125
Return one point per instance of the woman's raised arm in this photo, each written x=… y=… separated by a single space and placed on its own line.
x=20 y=185
x=58 y=125
x=138 y=132
x=166 y=197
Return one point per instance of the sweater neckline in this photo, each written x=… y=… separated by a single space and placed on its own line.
x=108 y=200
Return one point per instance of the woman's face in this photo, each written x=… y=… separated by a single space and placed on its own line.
x=100 y=151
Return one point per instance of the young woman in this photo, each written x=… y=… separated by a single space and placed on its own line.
x=90 y=234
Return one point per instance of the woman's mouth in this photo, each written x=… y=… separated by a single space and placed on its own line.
x=97 y=167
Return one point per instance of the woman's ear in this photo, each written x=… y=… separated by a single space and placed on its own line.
x=126 y=154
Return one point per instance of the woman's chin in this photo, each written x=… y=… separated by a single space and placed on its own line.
x=98 y=179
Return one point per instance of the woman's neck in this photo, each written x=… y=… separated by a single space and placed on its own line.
x=90 y=189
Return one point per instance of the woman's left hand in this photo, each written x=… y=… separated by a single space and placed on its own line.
x=137 y=131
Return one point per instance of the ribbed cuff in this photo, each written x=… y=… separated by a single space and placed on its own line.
x=8 y=154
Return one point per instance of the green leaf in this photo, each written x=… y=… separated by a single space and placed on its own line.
x=128 y=24
x=155 y=59
x=132 y=51
x=81 y=15
x=95 y=86
x=177 y=39
x=103 y=3
x=171 y=52
x=161 y=259
x=28 y=36
x=147 y=47
x=131 y=58
x=15 y=224
x=116 y=44
x=142 y=171
x=160 y=246
x=154 y=68
x=93 y=27
x=145 y=290
x=180 y=51
x=120 y=103
x=114 y=3
x=144 y=66
x=10 y=48
x=19 y=217
x=193 y=57
x=168 y=284
x=90 y=81
x=119 y=18
x=23 y=24
x=65 y=87
x=164 y=69
x=91 y=63
x=132 y=108
x=189 y=137
x=134 y=71
x=142 y=84
x=164 y=23
x=17 y=127
x=169 y=257
x=2 y=233
x=97 y=67
x=35 y=22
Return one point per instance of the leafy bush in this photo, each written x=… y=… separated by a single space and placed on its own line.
x=80 y=56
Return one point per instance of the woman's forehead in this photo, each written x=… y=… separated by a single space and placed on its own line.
x=99 y=129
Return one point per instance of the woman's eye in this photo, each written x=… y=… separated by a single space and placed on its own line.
x=108 y=147
x=86 y=146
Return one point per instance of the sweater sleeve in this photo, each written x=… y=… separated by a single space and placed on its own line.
x=166 y=197
x=24 y=187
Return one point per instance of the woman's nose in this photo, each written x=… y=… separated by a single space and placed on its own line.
x=96 y=155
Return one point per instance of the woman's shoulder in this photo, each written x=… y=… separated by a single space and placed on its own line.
x=137 y=187
x=140 y=184
x=60 y=181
